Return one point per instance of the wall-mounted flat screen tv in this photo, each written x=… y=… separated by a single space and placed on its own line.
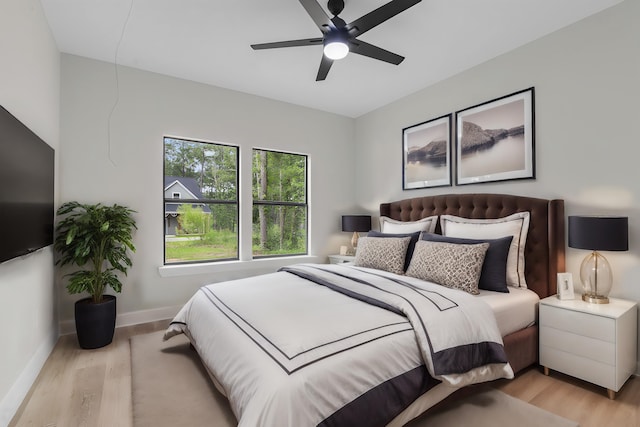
x=26 y=189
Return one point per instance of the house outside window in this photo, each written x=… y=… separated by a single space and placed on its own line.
x=203 y=225
x=279 y=204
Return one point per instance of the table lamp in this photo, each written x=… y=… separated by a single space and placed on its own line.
x=597 y=233
x=356 y=223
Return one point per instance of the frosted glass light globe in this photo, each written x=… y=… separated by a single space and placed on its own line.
x=336 y=50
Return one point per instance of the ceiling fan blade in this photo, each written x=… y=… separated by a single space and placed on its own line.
x=375 y=52
x=288 y=43
x=378 y=16
x=325 y=66
x=317 y=13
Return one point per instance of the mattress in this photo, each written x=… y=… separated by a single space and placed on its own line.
x=514 y=310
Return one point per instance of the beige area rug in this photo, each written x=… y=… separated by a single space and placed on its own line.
x=172 y=388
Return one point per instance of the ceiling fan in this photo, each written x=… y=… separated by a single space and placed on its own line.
x=340 y=38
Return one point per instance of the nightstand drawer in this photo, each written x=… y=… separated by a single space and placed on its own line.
x=580 y=367
x=590 y=348
x=598 y=327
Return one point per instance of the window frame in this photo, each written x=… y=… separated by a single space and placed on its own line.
x=204 y=201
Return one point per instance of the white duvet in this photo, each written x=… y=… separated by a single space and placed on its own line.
x=324 y=345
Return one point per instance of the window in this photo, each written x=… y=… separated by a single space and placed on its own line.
x=203 y=226
x=279 y=203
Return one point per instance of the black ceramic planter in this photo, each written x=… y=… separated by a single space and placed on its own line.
x=95 y=323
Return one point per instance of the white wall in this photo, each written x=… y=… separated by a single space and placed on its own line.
x=587 y=88
x=151 y=106
x=30 y=90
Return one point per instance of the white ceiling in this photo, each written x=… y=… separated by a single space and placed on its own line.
x=208 y=41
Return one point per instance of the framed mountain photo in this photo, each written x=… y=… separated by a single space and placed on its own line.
x=426 y=159
x=495 y=140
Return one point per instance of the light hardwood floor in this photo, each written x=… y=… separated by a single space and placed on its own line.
x=86 y=388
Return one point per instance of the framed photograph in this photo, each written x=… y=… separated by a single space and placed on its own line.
x=565 y=286
x=495 y=140
x=426 y=154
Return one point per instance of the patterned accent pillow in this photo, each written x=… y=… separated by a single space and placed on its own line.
x=382 y=253
x=412 y=243
x=449 y=264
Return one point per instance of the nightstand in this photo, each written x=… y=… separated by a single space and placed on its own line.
x=593 y=342
x=341 y=259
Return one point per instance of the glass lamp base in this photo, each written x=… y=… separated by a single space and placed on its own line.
x=596 y=278
x=354 y=242
x=595 y=299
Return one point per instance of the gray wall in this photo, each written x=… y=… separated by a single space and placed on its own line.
x=587 y=88
x=30 y=90
x=128 y=168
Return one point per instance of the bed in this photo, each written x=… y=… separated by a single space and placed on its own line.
x=362 y=346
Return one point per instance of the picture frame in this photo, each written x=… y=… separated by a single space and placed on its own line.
x=565 y=286
x=495 y=140
x=426 y=154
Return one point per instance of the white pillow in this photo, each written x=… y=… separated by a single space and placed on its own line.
x=392 y=226
x=516 y=225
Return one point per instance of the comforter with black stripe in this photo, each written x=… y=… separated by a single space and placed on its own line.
x=335 y=345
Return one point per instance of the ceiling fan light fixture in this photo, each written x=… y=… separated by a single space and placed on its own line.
x=336 y=50
x=336 y=44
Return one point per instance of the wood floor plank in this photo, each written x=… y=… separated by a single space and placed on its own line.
x=86 y=396
x=116 y=397
x=93 y=388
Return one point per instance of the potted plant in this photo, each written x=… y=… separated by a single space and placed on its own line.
x=98 y=238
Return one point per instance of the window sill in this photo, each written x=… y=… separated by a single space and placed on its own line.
x=258 y=265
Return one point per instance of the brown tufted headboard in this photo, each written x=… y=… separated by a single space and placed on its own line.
x=544 y=251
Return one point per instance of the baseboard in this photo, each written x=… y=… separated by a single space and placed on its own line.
x=14 y=398
x=128 y=319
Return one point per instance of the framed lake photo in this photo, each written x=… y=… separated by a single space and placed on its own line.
x=495 y=140
x=426 y=159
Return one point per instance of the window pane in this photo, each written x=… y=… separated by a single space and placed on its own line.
x=279 y=230
x=279 y=177
x=203 y=232
x=213 y=167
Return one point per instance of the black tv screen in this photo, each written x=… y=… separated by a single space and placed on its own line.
x=26 y=189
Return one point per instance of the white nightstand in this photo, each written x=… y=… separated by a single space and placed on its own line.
x=593 y=342
x=341 y=259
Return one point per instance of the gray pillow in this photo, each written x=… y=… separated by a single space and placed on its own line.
x=493 y=276
x=386 y=254
x=448 y=264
